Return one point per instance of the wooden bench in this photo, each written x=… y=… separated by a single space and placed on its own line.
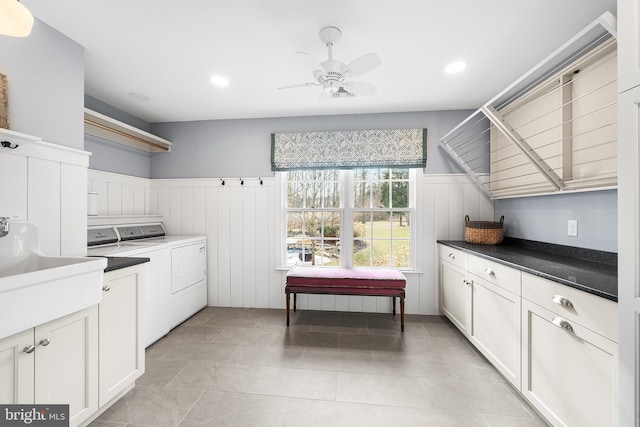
x=345 y=281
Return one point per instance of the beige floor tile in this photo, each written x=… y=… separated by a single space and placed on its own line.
x=310 y=339
x=392 y=390
x=505 y=421
x=160 y=371
x=240 y=335
x=471 y=396
x=267 y=355
x=412 y=365
x=152 y=405
x=185 y=333
x=419 y=417
x=392 y=343
x=337 y=360
x=236 y=409
x=320 y=413
x=208 y=375
x=220 y=352
x=302 y=383
x=235 y=366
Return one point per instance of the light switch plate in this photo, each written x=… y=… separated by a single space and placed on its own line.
x=572 y=228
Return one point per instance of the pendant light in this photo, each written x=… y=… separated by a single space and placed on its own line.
x=15 y=19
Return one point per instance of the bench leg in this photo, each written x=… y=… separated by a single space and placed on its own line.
x=402 y=313
x=295 y=296
x=393 y=302
x=287 y=298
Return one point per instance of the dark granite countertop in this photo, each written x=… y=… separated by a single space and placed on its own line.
x=591 y=271
x=116 y=263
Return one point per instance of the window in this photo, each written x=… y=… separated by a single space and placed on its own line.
x=349 y=218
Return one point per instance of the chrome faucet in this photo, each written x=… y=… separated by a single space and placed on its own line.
x=4 y=225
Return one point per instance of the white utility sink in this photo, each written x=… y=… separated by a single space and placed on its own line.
x=35 y=288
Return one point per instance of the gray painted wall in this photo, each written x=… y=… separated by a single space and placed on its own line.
x=544 y=218
x=117 y=158
x=242 y=148
x=45 y=74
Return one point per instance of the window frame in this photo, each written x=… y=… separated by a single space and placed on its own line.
x=346 y=179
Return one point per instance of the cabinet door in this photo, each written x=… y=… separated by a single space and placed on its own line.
x=16 y=368
x=66 y=363
x=495 y=327
x=568 y=370
x=121 y=339
x=455 y=295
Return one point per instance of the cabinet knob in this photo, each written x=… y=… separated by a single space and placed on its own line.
x=560 y=300
x=489 y=271
x=45 y=342
x=106 y=288
x=29 y=349
x=452 y=256
x=563 y=324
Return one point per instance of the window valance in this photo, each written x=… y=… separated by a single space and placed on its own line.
x=406 y=148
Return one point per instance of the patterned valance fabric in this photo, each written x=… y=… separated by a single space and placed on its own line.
x=406 y=148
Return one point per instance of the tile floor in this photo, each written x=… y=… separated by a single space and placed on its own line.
x=243 y=367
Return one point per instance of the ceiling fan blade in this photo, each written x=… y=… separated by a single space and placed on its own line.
x=315 y=65
x=300 y=85
x=362 y=65
x=360 y=88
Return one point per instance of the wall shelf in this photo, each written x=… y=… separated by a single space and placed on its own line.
x=105 y=127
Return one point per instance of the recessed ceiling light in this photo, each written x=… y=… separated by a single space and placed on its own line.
x=219 y=81
x=455 y=67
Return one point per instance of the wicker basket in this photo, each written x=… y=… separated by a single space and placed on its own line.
x=483 y=232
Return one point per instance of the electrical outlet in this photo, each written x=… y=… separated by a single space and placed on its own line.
x=572 y=228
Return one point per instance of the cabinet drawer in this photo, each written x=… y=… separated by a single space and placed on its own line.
x=454 y=256
x=596 y=313
x=506 y=277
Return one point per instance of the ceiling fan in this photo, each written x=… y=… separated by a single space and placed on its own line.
x=334 y=75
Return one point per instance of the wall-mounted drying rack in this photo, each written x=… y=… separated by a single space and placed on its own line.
x=105 y=127
x=553 y=129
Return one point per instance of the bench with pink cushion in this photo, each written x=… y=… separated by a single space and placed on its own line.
x=379 y=282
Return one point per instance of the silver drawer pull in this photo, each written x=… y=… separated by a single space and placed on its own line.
x=106 y=288
x=29 y=349
x=45 y=342
x=560 y=300
x=489 y=271
x=452 y=256
x=561 y=323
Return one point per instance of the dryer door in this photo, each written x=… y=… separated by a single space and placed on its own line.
x=188 y=266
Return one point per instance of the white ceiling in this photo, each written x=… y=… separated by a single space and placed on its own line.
x=168 y=50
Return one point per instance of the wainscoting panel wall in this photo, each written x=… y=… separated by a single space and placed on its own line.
x=44 y=184
x=241 y=222
x=119 y=194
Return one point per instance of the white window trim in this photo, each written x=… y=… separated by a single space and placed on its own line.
x=346 y=178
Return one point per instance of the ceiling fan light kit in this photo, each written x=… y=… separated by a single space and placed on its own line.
x=333 y=76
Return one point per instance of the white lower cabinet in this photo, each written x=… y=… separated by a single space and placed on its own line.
x=121 y=331
x=483 y=300
x=569 y=370
x=54 y=363
x=495 y=327
x=455 y=290
x=556 y=344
